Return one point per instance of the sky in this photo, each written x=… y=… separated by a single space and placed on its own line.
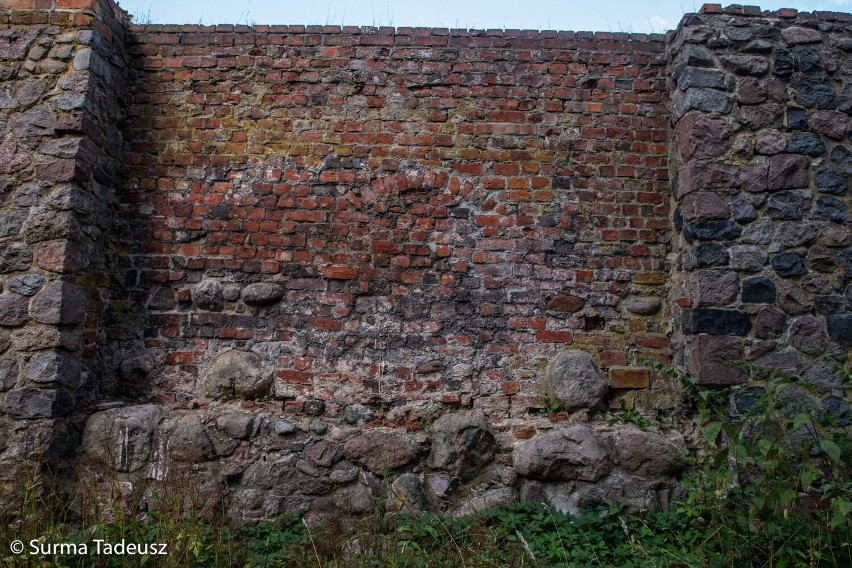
x=595 y=15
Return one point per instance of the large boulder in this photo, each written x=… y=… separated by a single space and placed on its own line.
x=122 y=437
x=572 y=453
x=189 y=442
x=462 y=444
x=646 y=453
x=236 y=374
x=380 y=450
x=574 y=380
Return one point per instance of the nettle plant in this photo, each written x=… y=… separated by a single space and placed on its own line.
x=774 y=467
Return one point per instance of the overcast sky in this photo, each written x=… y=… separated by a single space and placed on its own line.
x=595 y=15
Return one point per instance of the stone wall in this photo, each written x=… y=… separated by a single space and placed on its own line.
x=761 y=106
x=62 y=66
x=290 y=262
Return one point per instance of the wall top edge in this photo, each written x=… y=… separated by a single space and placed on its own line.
x=787 y=13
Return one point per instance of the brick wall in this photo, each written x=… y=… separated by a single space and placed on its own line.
x=442 y=209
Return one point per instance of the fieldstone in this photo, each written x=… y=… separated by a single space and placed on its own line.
x=322 y=452
x=830 y=209
x=712 y=287
x=839 y=329
x=796 y=118
x=786 y=205
x=831 y=124
x=406 y=494
x=828 y=305
x=844 y=259
x=753 y=178
x=35 y=122
x=15 y=42
x=236 y=374
x=573 y=379
x=841 y=156
x=8 y=371
x=794 y=233
x=769 y=142
x=766 y=115
x=239 y=425
x=817 y=284
x=314 y=407
x=807 y=334
x=29 y=403
x=748 y=258
x=207 y=295
x=501 y=498
x=62 y=257
x=709 y=359
x=572 y=453
x=788 y=264
x=711 y=231
x=357 y=414
x=37 y=337
x=380 y=450
x=438 y=485
x=25 y=285
x=702 y=136
x=793 y=299
x=838 y=409
x=643 y=305
x=137 y=368
x=830 y=181
x=783 y=63
x=714 y=321
x=844 y=98
x=54 y=366
x=757 y=46
x=354 y=499
x=698 y=176
x=788 y=171
x=43 y=226
x=462 y=444
x=706 y=100
x=344 y=472
x=786 y=361
x=429 y=367
x=646 y=453
x=750 y=91
x=689 y=77
x=189 y=441
x=795 y=35
x=10 y=224
x=705 y=205
x=283 y=427
x=59 y=303
x=742 y=210
x=566 y=304
x=695 y=56
x=15 y=257
x=821 y=375
x=759 y=233
x=122 y=437
x=834 y=235
x=707 y=255
x=262 y=293
x=13 y=310
x=747 y=64
x=814 y=91
x=758 y=290
x=770 y=322
x=806 y=143
x=807 y=61
x=821 y=259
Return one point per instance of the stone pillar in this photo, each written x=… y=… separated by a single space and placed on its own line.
x=62 y=66
x=760 y=174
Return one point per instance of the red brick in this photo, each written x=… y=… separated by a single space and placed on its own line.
x=629 y=377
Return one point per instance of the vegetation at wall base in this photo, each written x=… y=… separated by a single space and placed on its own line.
x=768 y=486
